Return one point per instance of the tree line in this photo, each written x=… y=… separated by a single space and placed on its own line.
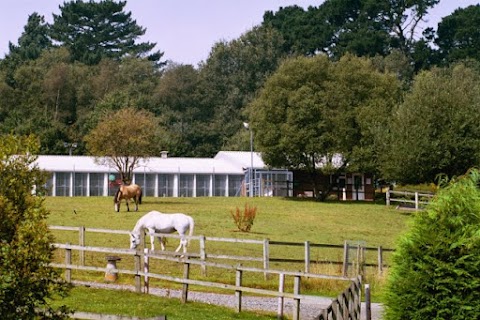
x=357 y=79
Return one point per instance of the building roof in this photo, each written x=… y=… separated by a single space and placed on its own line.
x=225 y=162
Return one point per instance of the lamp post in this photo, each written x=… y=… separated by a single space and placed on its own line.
x=250 y=189
x=70 y=146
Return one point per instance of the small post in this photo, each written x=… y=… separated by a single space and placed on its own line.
x=296 y=291
x=111 y=274
x=238 y=293
x=387 y=197
x=345 y=259
x=203 y=255
x=266 y=257
x=68 y=262
x=186 y=273
x=344 y=194
x=81 y=241
x=281 y=289
x=368 y=307
x=380 y=260
x=416 y=200
x=307 y=256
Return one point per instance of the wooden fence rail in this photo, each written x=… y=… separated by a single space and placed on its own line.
x=418 y=199
x=142 y=270
x=347 y=305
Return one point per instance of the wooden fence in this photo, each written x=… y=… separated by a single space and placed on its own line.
x=353 y=255
x=358 y=261
x=416 y=200
x=141 y=270
x=347 y=305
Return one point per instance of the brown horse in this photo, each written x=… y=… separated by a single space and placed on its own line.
x=128 y=192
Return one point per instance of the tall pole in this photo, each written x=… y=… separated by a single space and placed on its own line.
x=251 y=162
x=250 y=170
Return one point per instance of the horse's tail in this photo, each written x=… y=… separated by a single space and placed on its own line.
x=140 y=193
x=192 y=226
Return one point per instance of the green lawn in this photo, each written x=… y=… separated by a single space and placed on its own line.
x=293 y=220
x=277 y=218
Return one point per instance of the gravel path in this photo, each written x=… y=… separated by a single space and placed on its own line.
x=309 y=308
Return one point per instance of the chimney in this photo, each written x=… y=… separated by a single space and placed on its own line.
x=164 y=154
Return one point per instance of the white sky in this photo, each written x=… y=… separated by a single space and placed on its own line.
x=185 y=30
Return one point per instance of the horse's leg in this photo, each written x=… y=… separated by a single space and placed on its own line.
x=162 y=242
x=152 y=240
x=128 y=208
x=136 y=203
x=183 y=243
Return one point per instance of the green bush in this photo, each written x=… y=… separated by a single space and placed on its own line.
x=436 y=271
x=26 y=280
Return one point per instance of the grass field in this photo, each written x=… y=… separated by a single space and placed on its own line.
x=294 y=220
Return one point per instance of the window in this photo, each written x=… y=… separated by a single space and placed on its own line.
x=62 y=184
x=165 y=185
x=186 y=185
x=96 y=184
x=202 y=185
x=146 y=182
x=220 y=185
x=235 y=186
x=80 y=184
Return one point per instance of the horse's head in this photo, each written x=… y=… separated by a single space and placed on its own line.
x=134 y=240
x=116 y=200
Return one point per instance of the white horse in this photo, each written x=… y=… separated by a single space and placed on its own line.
x=155 y=221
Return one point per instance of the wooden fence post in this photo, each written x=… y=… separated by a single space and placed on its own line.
x=281 y=289
x=68 y=261
x=238 y=293
x=81 y=241
x=203 y=255
x=345 y=259
x=387 y=197
x=307 y=256
x=368 y=310
x=266 y=257
x=416 y=200
x=146 y=268
x=186 y=274
x=138 y=266
x=296 y=304
x=380 y=260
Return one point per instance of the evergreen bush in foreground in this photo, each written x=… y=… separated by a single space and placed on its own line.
x=436 y=270
x=27 y=282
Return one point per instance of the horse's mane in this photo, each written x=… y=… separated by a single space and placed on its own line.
x=138 y=226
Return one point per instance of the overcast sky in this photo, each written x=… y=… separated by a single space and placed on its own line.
x=185 y=30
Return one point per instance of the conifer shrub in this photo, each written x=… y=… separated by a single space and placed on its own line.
x=436 y=267
x=244 y=219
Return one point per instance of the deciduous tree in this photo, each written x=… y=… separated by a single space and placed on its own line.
x=435 y=131
x=122 y=138
x=312 y=109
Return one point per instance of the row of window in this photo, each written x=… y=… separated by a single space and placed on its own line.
x=155 y=185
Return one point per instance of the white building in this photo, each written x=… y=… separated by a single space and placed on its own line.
x=227 y=174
